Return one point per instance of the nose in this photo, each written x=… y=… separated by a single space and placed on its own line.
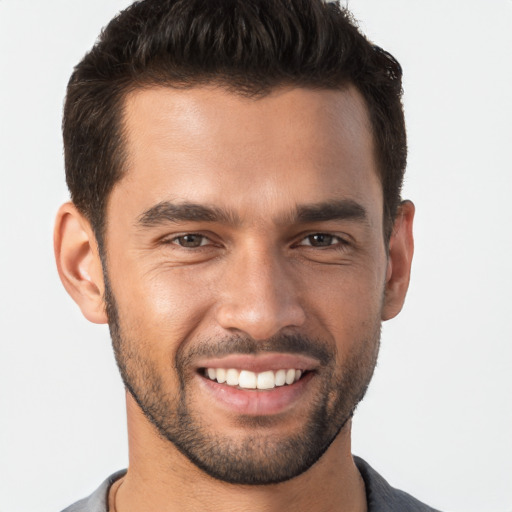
x=259 y=295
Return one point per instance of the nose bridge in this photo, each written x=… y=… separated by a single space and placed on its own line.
x=260 y=297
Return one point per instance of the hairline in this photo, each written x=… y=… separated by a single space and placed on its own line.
x=223 y=83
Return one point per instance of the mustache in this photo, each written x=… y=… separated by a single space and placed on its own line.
x=237 y=344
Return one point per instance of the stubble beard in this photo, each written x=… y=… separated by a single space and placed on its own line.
x=257 y=458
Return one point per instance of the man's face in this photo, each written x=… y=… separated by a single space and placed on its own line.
x=245 y=242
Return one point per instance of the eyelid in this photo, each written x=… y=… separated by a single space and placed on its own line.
x=341 y=240
x=204 y=240
x=173 y=239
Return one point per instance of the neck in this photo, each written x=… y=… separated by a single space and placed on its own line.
x=160 y=478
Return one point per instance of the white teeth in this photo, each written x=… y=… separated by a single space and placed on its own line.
x=247 y=380
x=221 y=375
x=251 y=380
x=280 y=377
x=266 y=380
x=290 y=376
x=232 y=377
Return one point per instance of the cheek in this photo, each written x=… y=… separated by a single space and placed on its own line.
x=160 y=308
x=347 y=303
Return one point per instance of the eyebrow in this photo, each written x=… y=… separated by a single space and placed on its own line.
x=166 y=211
x=339 y=209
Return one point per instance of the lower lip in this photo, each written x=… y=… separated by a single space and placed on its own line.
x=256 y=402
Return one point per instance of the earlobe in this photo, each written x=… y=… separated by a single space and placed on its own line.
x=401 y=249
x=79 y=263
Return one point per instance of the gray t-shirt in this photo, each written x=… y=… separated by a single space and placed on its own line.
x=381 y=497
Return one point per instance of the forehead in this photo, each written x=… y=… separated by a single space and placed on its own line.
x=209 y=145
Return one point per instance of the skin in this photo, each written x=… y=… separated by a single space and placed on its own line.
x=255 y=274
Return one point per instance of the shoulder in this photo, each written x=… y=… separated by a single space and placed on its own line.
x=97 y=501
x=382 y=497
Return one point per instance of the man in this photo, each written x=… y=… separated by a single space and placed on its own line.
x=235 y=171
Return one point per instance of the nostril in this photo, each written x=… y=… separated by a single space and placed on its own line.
x=262 y=319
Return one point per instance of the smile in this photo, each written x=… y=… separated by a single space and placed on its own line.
x=246 y=379
x=261 y=384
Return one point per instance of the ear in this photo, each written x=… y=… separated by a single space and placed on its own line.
x=401 y=249
x=79 y=263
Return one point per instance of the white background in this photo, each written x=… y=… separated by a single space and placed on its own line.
x=437 y=421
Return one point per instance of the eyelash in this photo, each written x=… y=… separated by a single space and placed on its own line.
x=175 y=240
x=339 y=241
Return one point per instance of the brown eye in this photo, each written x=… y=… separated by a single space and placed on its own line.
x=190 y=241
x=321 y=240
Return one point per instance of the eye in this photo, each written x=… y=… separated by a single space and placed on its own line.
x=190 y=240
x=321 y=240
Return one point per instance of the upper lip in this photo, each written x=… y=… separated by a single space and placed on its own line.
x=261 y=362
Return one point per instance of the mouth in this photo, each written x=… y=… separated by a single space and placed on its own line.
x=246 y=379
x=257 y=385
